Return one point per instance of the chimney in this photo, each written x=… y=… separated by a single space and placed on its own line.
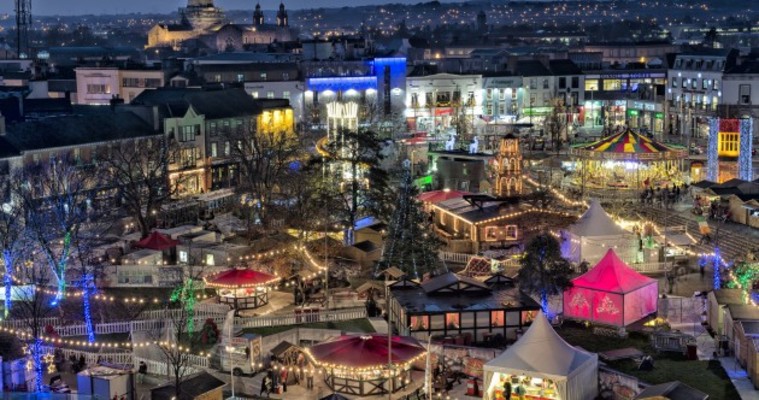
x=2 y=124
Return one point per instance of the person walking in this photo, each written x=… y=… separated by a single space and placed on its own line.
x=141 y=371
x=265 y=386
x=507 y=390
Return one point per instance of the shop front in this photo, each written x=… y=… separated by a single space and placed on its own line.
x=531 y=387
x=646 y=116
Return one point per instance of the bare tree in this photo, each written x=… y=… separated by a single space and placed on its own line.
x=555 y=123
x=178 y=339
x=32 y=306
x=139 y=169
x=264 y=153
x=11 y=237
x=57 y=198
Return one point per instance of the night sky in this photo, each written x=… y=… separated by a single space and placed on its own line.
x=76 y=7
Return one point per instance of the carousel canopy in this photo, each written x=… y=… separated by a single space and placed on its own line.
x=436 y=196
x=596 y=222
x=612 y=275
x=156 y=241
x=240 y=278
x=365 y=351
x=628 y=145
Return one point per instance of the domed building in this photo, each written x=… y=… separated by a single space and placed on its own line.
x=204 y=24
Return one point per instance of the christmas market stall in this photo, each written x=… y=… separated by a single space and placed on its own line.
x=358 y=364
x=611 y=293
x=542 y=366
x=241 y=287
x=627 y=160
x=459 y=309
x=593 y=234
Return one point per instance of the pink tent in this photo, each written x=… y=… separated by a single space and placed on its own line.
x=611 y=293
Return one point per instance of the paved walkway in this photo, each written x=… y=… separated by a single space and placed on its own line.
x=739 y=378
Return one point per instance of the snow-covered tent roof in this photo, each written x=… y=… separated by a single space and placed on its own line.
x=596 y=222
x=541 y=351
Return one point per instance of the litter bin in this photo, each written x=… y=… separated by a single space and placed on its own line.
x=692 y=350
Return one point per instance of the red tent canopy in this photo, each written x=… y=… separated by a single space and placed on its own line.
x=156 y=241
x=240 y=278
x=436 y=196
x=365 y=351
x=612 y=275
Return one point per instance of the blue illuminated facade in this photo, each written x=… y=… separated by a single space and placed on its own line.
x=342 y=83
x=745 y=166
x=712 y=157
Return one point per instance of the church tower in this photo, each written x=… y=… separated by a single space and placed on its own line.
x=258 y=15
x=509 y=167
x=201 y=15
x=282 y=16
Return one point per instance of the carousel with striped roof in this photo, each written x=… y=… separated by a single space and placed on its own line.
x=627 y=160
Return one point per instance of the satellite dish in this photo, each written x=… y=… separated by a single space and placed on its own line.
x=7 y=208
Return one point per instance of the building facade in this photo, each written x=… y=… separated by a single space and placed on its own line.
x=100 y=85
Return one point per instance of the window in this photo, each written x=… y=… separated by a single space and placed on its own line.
x=187 y=133
x=214 y=149
x=674 y=82
x=575 y=82
x=545 y=83
x=489 y=94
x=183 y=256
x=212 y=128
x=705 y=84
x=254 y=94
x=226 y=148
x=286 y=94
x=470 y=99
x=263 y=76
x=414 y=100
x=497 y=318
x=744 y=94
x=152 y=82
x=98 y=89
x=591 y=85
x=715 y=84
x=209 y=260
x=428 y=99
x=130 y=82
x=285 y=76
x=217 y=78
x=562 y=83
x=694 y=84
x=533 y=83
x=612 y=84
x=240 y=77
x=270 y=94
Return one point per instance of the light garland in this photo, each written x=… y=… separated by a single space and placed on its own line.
x=372 y=368
x=745 y=166
x=712 y=154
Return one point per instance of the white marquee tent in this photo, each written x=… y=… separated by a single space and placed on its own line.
x=593 y=234
x=542 y=353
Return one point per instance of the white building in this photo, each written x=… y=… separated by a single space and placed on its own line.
x=502 y=98
x=290 y=90
x=435 y=103
x=740 y=91
x=98 y=85
x=694 y=89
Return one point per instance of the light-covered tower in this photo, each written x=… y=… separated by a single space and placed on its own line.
x=201 y=14
x=282 y=16
x=509 y=167
x=258 y=15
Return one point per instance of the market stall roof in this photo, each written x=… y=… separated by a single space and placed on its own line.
x=240 y=278
x=612 y=275
x=156 y=241
x=437 y=196
x=541 y=350
x=628 y=145
x=596 y=222
x=671 y=390
x=365 y=351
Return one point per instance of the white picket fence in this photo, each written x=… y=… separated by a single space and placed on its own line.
x=24 y=324
x=161 y=368
x=303 y=318
x=457 y=258
x=92 y=358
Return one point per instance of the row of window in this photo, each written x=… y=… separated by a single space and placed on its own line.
x=693 y=64
x=686 y=83
x=270 y=94
x=263 y=76
x=142 y=82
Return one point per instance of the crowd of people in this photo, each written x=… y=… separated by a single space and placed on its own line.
x=665 y=198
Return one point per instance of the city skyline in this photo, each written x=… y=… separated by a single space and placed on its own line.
x=82 y=7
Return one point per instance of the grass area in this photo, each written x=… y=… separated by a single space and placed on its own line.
x=353 y=325
x=707 y=376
